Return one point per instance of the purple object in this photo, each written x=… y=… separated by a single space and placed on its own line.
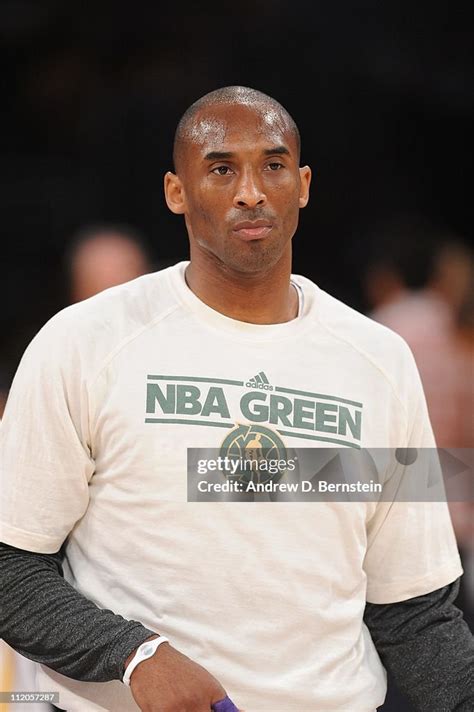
x=225 y=705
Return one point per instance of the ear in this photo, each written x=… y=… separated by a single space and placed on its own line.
x=305 y=180
x=174 y=193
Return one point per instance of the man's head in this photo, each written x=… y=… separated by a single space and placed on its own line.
x=237 y=179
x=103 y=256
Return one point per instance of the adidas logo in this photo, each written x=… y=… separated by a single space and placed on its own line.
x=259 y=381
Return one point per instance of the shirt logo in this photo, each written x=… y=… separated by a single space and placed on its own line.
x=259 y=381
x=202 y=400
x=253 y=444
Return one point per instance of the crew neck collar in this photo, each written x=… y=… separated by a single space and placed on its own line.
x=307 y=292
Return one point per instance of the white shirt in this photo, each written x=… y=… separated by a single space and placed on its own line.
x=268 y=596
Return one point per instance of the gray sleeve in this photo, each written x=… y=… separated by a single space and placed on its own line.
x=45 y=619
x=428 y=648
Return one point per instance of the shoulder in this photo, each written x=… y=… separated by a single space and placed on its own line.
x=367 y=340
x=88 y=331
x=352 y=327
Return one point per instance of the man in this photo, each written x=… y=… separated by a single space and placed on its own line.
x=103 y=256
x=113 y=391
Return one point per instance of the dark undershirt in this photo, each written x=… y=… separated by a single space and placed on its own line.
x=428 y=649
x=45 y=619
x=423 y=642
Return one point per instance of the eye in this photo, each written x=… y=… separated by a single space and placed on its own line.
x=275 y=166
x=221 y=170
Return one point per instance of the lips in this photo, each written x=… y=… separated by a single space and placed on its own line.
x=252 y=229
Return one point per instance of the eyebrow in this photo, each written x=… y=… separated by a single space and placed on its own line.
x=218 y=155
x=222 y=155
x=277 y=151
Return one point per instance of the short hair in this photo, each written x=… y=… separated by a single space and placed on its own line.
x=228 y=95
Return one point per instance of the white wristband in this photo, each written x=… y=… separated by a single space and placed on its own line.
x=144 y=651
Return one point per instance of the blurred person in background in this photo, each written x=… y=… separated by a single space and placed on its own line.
x=103 y=256
x=416 y=282
x=419 y=283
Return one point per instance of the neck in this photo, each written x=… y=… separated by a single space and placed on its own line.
x=264 y=297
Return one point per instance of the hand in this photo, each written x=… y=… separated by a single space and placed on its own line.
x=171 y=682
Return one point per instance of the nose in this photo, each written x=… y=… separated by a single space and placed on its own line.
x=249 y=193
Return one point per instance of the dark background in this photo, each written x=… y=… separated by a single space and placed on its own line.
x=382 y=93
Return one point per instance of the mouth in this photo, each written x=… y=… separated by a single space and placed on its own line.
x=252 y=230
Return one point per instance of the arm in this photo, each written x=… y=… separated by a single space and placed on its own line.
x=428 y=648
x=47 y=463
x=45 y=619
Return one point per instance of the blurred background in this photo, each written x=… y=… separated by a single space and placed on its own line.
x=382 y=93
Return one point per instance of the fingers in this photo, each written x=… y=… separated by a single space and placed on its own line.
x=225 y=705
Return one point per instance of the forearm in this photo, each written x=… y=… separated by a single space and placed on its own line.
x=427 y=647
x=45 y=619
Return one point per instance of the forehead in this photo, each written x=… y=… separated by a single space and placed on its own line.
x=231 y=127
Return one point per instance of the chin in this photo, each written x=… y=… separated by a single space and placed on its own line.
x=259 y=258
x=253 y=257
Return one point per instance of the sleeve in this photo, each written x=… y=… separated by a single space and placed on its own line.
x=411 y=547
x=428 y=649
x=45 y=619
x=45 y=454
